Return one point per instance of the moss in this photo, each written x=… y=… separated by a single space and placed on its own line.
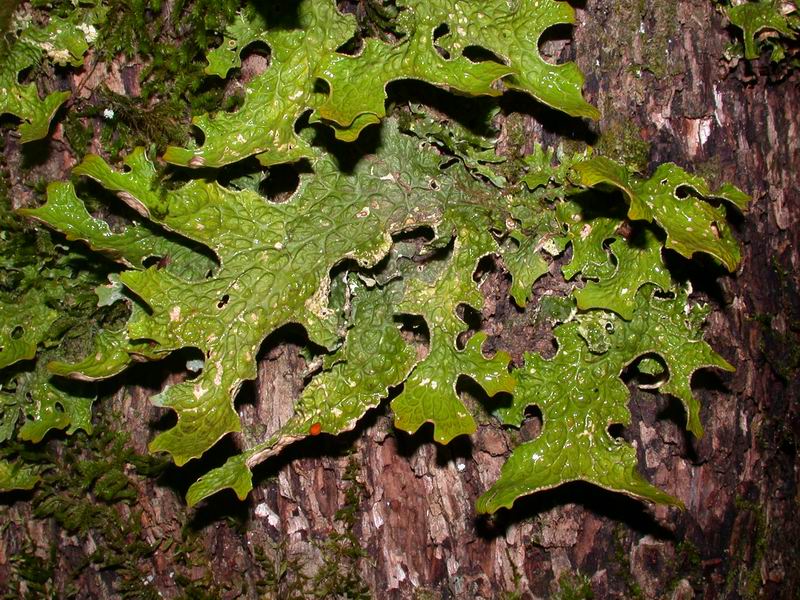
x=286 y=576
x=574 y=586
x=621 y=141
x=79 y=132
x=781 y=349
x=91 y=492
x=171 y=38
x=82 y=494
x=649 y=26
x=632 y=588
x=744 y=578
x=133 y=124
x=517 y=137
x=283 y=574
x=685 y=564
x=32 y=570
x=709 y=170
x=341 y=552
x=426 y=594
x=7 y=9
x=655 y=43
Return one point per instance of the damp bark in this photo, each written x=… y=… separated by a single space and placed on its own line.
x=412 y=531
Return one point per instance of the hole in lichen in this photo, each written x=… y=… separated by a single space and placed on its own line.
x=195 y=362
x=414 y=330
x=285 y=362
x=500 y=236
x=9 y=121
x=223 y=301
x=472 y=318
x=532 y=424
x=24 y=75
x=438 y=33
x=485 y=266
x=448 y=163
x=17 y=332
x=647 y=372
x=616 y=431
x=409 y=246
x=255 y=59
x=351 y=47
x=198 y=136
x=320 y=87
x=281 y=182
x=478 y=54
x=473 y=395
x=607 y=247
x=258 y=48
x=553 y=41
x=159 y=262
x=422 y=234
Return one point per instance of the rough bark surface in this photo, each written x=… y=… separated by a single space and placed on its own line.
x=655 y=70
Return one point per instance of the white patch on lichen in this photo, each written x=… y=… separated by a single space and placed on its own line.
x=57 y=55
x=134 y=203
x=175 y=313
x=551 y=247
x=89 y=32
x=318 y=303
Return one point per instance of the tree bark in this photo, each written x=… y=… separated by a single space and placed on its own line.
x=402 y=524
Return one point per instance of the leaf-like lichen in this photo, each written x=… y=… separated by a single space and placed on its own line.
x=63 y=42
x=580 y=395
x=753 y=18
x=274 y=261
x=307 y=71
x=218 y=269
x=17 y=475
x=677 y=201
x=615 y=262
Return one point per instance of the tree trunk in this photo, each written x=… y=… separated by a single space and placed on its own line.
x=388 y=515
